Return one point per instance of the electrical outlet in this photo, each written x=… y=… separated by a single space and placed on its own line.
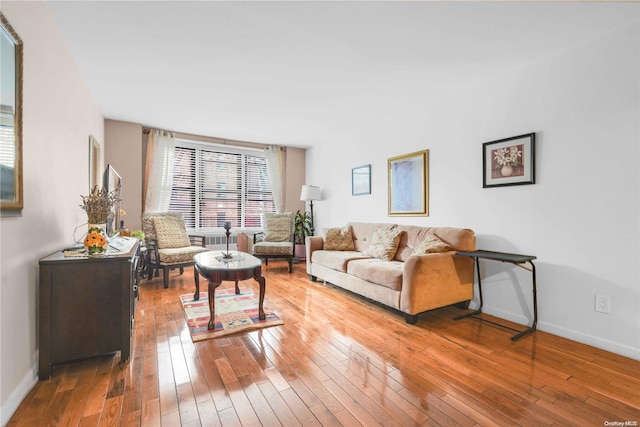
x=603 y=304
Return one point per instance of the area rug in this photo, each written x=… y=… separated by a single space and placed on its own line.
x=234 y=313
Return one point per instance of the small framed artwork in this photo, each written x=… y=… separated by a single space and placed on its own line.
x=408 y=184
x=95 y=163
x=361 y=180
x=509 y=161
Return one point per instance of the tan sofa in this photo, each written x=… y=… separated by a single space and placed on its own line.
x=411 y=283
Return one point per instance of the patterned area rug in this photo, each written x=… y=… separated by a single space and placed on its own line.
x=234 y=313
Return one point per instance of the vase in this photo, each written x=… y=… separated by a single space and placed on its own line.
x=96 y=241
x=506 y=170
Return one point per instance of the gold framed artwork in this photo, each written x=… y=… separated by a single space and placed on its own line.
x=95 y=162
x=11 y=191
x=409 y=184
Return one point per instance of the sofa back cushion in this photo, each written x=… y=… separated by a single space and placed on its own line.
x=432 y=244
x=362 y=232
x=458 y=239
x=278 y=227
x=171 y=232
x=411 y=239
x=384 y=243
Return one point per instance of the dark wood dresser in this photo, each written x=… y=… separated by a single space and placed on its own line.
x=86 y=306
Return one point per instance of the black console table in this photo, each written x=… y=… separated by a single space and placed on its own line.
x=86 y=306
x=516 y=259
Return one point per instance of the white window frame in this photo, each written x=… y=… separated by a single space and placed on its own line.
x=197 y=145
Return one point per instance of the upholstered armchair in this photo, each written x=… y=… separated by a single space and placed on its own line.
x=168 y=244
x=276 y=241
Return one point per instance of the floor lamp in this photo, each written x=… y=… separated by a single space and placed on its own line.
x=309 y=194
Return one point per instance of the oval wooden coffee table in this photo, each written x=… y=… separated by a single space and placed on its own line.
x=215 y=268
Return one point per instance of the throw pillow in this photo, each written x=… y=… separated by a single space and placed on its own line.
x=278 y=227
x=170 y=232
x=339 y=239
x=384 y=244
x=431 y=244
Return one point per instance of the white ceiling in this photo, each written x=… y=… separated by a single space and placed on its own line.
x=294 y=73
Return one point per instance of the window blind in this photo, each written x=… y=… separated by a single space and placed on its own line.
x=213 y=185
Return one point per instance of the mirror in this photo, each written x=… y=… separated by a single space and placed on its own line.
x=10 y=117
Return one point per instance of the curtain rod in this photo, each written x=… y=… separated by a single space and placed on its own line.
x=147 y=130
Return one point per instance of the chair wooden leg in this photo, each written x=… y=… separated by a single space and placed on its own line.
x=165 y=270
x=290 y=264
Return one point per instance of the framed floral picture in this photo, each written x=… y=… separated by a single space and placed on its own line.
x=408 y=184
x=509 y=161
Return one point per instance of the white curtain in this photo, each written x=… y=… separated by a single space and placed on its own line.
x=158 y=173
x=276 y=158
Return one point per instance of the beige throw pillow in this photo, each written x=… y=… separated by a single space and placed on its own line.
x=431 y=244
x=338 y=239
x=384 y=244
x=278 y=227
x=170 y=232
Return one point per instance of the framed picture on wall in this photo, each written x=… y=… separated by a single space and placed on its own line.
x=361 y=180
x=408 y=184
x=509 y=161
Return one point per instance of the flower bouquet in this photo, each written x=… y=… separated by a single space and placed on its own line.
x=98 y=204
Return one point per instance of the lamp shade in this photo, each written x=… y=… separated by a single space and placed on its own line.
x=310 y=192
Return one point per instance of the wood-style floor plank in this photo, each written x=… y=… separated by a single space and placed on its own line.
x=338 y=360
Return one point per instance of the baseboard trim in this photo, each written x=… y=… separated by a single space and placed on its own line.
x=27 y=383
x=603 y=344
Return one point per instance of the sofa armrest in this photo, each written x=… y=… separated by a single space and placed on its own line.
x=245 y=243
x=312 y=243
x=197 y=240
x=435 y=280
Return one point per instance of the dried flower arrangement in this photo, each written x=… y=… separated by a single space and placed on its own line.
x=98 y=204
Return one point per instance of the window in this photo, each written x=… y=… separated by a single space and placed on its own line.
x=214 y=184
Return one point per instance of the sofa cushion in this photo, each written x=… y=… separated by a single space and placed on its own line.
x=179 y=255
x=278 y=227
x=273 y=248
x=171 y=232
x=384 y=244
x=335 y=260
x=374 y=270
x=431 y=245
x=338 y=239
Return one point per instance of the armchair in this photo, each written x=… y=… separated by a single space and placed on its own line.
x=168 y=244
x=277 y=239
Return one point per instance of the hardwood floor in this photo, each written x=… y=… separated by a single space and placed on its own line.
x=337 y=360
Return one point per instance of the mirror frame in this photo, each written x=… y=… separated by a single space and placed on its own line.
x=17 y=202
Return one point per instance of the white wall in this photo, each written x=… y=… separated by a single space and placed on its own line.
x=581 y=218
x=123 y=142
x=59 y=114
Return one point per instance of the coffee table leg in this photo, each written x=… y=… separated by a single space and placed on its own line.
x=196 y=278
x=212 y=304
x=260 y=279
